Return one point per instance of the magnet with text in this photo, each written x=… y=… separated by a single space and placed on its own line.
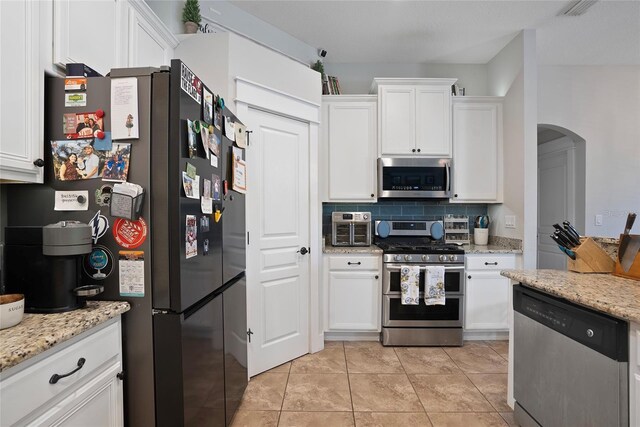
x=190 y=83
x=191 y=237
x=130 y=234
x=98 y=264
x=131 y=273
x=75 y=99
x=75 y=84
x=71 y=200
x=99 y=226
x=103 y=195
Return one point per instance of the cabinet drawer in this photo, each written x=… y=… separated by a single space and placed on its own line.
x=354 y=262
x=490 y=262
x=25 y=392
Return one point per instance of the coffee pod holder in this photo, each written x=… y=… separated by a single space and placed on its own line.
x=634 y=271
x=590 y=258
x=126 y=206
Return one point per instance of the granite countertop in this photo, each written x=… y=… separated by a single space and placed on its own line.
x=330 y=249
x=609 y=294
x=490 y=249
x=39 y=332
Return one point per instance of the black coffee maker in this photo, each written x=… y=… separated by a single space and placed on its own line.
x=45 y=264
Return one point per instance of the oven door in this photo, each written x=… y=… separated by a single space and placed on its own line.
x=414 y=177
x=453 y=279
x=394 y=314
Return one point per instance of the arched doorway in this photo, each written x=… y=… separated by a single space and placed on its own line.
x=561 y=189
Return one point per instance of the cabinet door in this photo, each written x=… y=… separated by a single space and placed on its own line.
x=433 y=121
x=87 y=32
x=486 y=300
x=476 y=147
x=150 y=44
x=21 y=92
x=354 y=301
x=397 y=120
x=98 y=402
x=351 y=157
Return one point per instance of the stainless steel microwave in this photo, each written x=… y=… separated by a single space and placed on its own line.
x=415 y=178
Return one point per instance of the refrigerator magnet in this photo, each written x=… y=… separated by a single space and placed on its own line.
x=74 y=160
x=191 y=139
x=216 y=187
x=190 y=83
x=129 y=234
x=204 y=137
x=191 y=237
x=204 y=223
x=207 y=105
x=206 y=188
x=103 y=144
x=103 y=195
x=71 y=200
x=131 y=272
x=217 y=118
x=192 y=171
x=75 y=84
x=99 y=226
x=98 y=264
x=69 y=123
x=116 y=164
x=229 y=128
x=205 y=247
x=214 y=143
x=75 y=99
x=241 y=135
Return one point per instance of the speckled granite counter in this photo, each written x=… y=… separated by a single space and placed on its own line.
x=373 y=249
x=39 y=332
x=603 y=292
x=490 y=249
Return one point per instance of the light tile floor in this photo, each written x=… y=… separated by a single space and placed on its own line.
x=366 y=384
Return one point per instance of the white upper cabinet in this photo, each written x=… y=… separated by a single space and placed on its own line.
x=150 y=42
x=349 y=148
x=477 y=149
x=90 y=32
x=21 y=92
x=414 y=116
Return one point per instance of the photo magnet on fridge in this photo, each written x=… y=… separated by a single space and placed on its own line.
x=216 y=187
x=191 y=139
x=116 y=165
x=217 y=118
x=207 y=106
x=191 y=237
x=191 y=171
x=204 y=136
x=75 y=160
x=87 y=126
x=204 y=223
x=187 y=185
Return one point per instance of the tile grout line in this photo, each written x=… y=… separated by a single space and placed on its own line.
x=412 y=386
x=346 y=367
x=285 y=392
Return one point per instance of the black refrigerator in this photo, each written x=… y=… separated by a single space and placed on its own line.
x=185 y=337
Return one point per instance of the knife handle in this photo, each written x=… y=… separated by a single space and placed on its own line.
x=630 y=220
x=572 y=230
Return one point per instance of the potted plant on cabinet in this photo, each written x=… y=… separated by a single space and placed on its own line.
x=191 y=16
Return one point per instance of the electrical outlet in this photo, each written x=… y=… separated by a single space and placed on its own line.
x=598 y=220
x=509 y=221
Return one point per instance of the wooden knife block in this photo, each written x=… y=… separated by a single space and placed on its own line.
x=590 y=258
x=634 y=271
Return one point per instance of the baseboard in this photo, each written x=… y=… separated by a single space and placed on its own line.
x=485 y=335
x=352 y=336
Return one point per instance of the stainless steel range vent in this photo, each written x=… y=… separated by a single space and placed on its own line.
x=576 y=8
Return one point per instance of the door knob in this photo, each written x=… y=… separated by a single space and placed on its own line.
x=303 y=250
x=38 y=162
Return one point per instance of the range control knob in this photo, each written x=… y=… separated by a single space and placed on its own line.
x=365 y=216
x=442 y=258
x=425 y=258
x=453 y=258
x=397 y=258
x=407 y=257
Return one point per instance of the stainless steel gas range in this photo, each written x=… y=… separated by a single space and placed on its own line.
x=419 y=243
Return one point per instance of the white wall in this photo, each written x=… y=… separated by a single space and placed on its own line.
x=357 y=78
x=512 y=74
x=602 y=105
x=236 y=20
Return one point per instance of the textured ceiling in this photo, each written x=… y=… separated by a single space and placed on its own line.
x=464 y=32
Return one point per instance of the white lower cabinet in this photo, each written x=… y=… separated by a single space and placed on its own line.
x=90 y=396
x=487 y=292
x=353 y=292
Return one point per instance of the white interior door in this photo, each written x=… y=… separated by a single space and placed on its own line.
x=556 y=198
x=278 y=223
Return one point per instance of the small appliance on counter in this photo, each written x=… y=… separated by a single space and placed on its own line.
x=351 y=229
x=45 y=264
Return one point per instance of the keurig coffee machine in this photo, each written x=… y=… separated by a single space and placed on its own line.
x=45 y=264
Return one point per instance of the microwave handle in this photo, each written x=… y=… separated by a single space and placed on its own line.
x=448 y=176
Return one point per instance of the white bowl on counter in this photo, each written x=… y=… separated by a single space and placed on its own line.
x=11 y=310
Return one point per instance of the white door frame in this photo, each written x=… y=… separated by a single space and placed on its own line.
x=250 y=94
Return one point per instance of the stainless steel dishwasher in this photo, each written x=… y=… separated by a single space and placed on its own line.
x=570 y=364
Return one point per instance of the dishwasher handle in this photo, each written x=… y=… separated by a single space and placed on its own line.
x=605 y=334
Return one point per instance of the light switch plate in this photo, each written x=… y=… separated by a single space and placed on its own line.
x=598 y=220
x=509 y=221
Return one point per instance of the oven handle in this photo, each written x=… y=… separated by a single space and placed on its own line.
x=396 y=267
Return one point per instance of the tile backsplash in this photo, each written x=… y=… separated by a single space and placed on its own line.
x=407 y=210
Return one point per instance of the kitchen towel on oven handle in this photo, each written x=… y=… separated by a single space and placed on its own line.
x=434 y=286
x=409 y=284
